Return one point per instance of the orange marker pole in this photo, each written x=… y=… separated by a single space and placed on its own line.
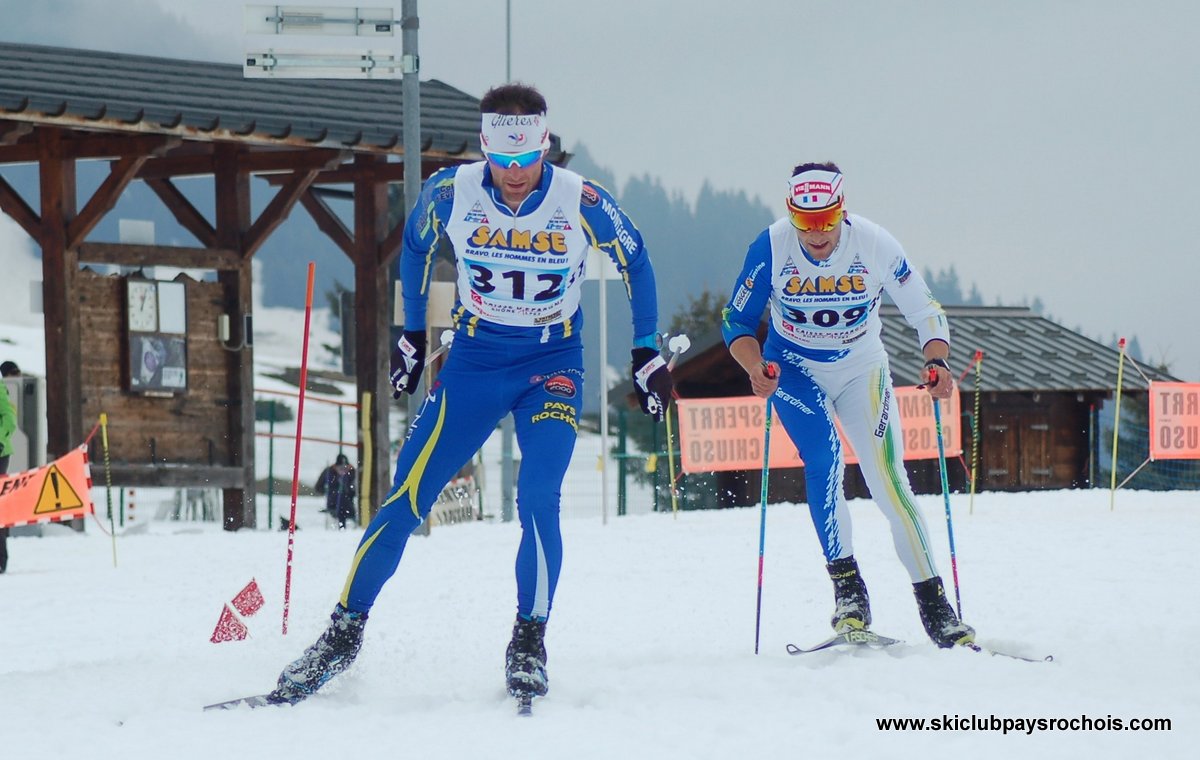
x=287 y=584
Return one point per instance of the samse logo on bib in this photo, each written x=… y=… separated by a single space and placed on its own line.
x=519 y=240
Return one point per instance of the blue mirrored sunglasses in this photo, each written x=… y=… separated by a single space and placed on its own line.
x=519 y=160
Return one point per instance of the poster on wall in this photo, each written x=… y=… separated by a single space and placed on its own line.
x=157 y=363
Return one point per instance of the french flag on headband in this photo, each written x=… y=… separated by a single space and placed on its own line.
x=815 y=189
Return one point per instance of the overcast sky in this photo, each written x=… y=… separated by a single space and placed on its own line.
x=1046 y=148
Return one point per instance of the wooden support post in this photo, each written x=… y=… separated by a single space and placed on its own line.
x=233 y=220
x=60 y=273
x=372 y=319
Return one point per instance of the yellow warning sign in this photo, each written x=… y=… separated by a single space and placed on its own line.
x=57 y=493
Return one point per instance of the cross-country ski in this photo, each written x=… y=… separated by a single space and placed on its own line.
x=270 y=699
x=852 y=638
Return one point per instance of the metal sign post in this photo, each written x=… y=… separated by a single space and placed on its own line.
x=600 y=268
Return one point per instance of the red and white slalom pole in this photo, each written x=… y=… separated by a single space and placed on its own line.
x=287 y=583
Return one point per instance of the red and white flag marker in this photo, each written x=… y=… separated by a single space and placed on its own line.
x=249 y=600
x=231 y=627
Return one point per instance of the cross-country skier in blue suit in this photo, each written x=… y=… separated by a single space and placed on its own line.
x=520 y=229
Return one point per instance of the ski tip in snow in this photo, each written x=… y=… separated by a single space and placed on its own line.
x=259 y=700
x=976 y=647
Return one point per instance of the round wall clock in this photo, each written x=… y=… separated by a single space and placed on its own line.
x=142 y=305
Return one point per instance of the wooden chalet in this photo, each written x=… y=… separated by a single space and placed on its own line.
x=1041 y=387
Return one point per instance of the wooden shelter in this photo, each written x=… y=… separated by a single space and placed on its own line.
x=1040 y=392
x=158 y=120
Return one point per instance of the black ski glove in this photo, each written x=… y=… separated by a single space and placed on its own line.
x=652 y=381
x=408 y=361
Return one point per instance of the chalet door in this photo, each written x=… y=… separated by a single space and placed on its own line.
x=1000 y=452
x=1036 y=468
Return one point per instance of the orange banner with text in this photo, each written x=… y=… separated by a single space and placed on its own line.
x=727 y=433
x=57 y=491
x=1174 y=420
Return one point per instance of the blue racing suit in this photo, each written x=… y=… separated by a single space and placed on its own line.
x=517 y=348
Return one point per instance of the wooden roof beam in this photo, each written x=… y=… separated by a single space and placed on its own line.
x=270 y=161
x=104 y=198
x=277 y=210
x=15 y=148
x=189 y=162
x=192 y=165
x=389 y=172
x=328 y=222
x=183 y=210
x=19 y=153
x=119 y=146
x=15 y=206
x=129 y=254
x=11 y=131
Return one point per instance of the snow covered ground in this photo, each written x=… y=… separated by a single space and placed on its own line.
x=650 y=644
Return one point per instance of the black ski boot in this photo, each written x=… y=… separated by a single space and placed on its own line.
x=332 y=653
x=525 y=660
x=852 y=605
x=938 y=617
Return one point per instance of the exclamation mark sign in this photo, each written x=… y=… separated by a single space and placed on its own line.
x=56 y=494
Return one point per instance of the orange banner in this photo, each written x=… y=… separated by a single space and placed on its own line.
x=57 y=491
x=1174 y=421
x=920 y=427
x=718 y=434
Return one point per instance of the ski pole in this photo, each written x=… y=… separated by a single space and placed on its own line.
x=287 y=584
x=937 y=418
x=771 y=371
x=671 y=463
x=677 y=345
x=447 y=339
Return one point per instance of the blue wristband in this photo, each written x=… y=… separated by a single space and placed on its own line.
x=653 y=340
